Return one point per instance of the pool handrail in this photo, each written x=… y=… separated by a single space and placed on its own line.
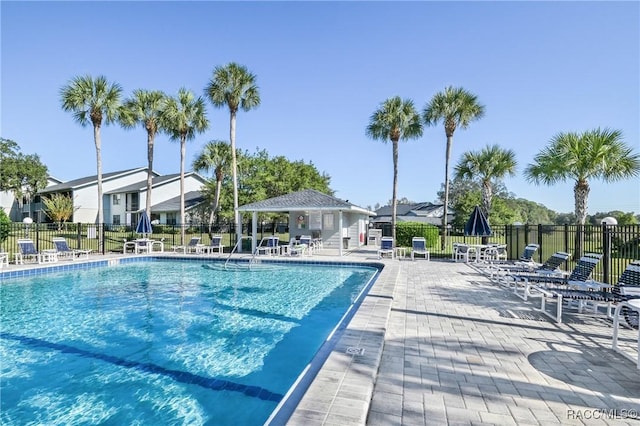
x=234 y=249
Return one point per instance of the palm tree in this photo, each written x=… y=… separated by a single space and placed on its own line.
x=235 y=87
x=396 y=119
x=144 y=108
x=215 y=156
x=183 y=117
x=93 y=101
x=488 y=165
x=455 y=107
x=595 y=154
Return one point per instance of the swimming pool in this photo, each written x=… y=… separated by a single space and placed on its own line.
x=165 y=342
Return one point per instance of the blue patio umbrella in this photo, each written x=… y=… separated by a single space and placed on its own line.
x=477 y=225
x=144 y=224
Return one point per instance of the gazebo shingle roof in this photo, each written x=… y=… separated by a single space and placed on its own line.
x=308 y=199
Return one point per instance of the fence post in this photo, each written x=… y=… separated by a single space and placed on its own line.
x=566 y=238
x=102 y=234
x=37 y=237
x=79 y=237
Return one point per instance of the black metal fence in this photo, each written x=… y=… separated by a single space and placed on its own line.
x=619 y=244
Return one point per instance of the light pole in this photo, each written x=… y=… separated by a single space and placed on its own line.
x=27 y=223
x=607 y=227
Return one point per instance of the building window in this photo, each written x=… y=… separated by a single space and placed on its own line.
x=327 y=221
x=116 y=219
x=171 y=219
x=115 y=199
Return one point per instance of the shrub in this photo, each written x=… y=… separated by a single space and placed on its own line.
x=405 y=231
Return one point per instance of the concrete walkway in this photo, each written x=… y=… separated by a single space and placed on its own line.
x=443 y=345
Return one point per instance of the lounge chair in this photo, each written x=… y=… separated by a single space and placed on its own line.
x=577 y=279
x=272 y=246
x=214 y=245
x=64 y=251
x=525 y=263
x=626 y=307
x=627 y=288
x=419 y=248
x=27 y=250
x=516 y=276
x=386 y=247
x=191 y=247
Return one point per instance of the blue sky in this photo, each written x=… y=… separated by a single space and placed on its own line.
x=323 y=67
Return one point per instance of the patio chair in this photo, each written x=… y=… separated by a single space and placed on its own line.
x=214 y=245
x=386 y=247
x=27 y=250
x=598 y=295
x=295 y=248
x=190 y=247
x=463 y=252
x=419 y=248
x=577 y=279
x=4 y=259
x=64 y=251
x=309 y=242
x=525 y=263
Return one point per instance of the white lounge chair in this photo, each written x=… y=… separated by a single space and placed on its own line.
x=419 y=248
x=64 y=251
x=191 y=247
x=27 y=250
x=386 y=247
x=214 y=245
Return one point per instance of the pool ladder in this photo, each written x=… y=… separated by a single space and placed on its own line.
x=253 y=259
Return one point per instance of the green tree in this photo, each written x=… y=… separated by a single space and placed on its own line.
x=8 y=148
x=594 y=154
x=216 y=157
x=24 y=175
x=59 y=207
x=235 y=87
x=488 y=165
x=93 y=101
x=456 y=107
x=395 y=119
x=5 y=226
x=144 y=109
x=183 y=117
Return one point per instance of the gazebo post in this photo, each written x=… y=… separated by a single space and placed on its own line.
x=340 y=232
x=254 y=231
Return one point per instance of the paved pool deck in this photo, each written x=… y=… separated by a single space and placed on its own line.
x=443 y=345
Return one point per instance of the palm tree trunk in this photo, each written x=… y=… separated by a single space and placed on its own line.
x=487 y=195
x=581 y=194
x=216 y=202
x=98 y=142
x=445 y=212
x=183 y=149
x=149 y=172
x=394 y=198
x=234 y=174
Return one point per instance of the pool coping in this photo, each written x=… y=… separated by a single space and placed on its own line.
x=341 y=390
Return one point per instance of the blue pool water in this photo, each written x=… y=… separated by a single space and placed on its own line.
x=164 y=342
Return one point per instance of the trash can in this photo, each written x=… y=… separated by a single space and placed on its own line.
x=345 y=242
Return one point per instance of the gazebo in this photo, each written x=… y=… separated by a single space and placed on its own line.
x=341 y=224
